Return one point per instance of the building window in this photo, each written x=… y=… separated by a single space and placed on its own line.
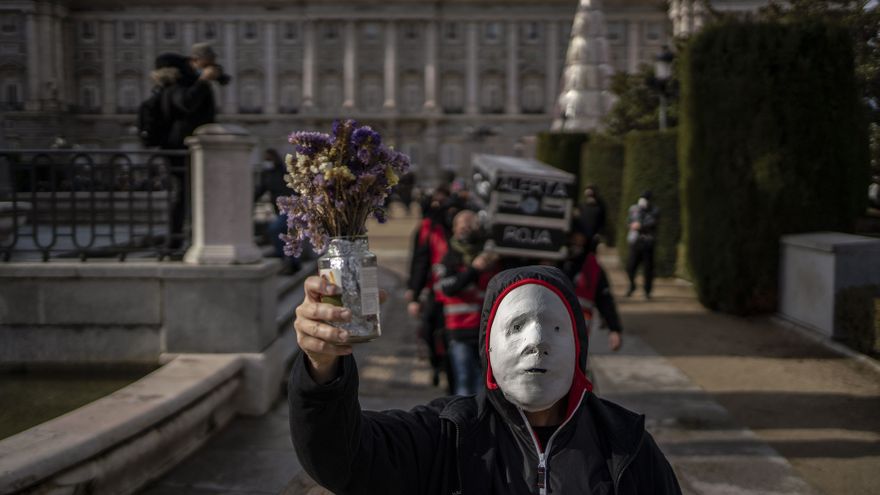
x=89 y=98
x=129 y=30
x=291 y=31
x=12 y=97
x=532 y=31
x=411 y=31
x=169 y=30
x=331 y=92
x=371 y=31
x=451 y=31
x=616 y=33
x=492 y=96
x=452 y=97
x=653 y=32
x=412 y=94
x=209 y=31
x=450 y=156
x=532 y=97
x=87 y=30
x=9 y=24
x=331 y=32
x=128 y=98
x=371 y=94
x=250 y=31
x=414 y=152
x=250 y=97
x=290 y=98
x=492 y=32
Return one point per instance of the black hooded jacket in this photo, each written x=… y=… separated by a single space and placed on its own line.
x=474 y=445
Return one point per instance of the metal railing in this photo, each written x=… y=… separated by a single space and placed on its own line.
x=94 y=204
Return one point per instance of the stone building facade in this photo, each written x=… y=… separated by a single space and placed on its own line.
x=438 y=78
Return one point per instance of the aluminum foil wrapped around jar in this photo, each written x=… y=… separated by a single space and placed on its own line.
x=349 y=264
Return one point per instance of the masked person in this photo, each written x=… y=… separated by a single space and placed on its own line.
x=535 y=427
x=643 y=218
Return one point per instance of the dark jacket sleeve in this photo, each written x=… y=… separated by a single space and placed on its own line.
x=655 y=475
x=605 y=304
x=420 y=268
x=350 y=451
x=454 y=280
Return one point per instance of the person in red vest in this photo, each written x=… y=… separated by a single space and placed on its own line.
x=463 y=276
x=429 y=247
x=594 y=294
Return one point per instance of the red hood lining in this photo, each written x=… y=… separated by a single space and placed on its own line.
x=579 y=382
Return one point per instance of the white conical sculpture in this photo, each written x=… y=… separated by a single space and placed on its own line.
x=585 y=96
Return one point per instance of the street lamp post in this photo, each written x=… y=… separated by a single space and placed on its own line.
x=662 y=76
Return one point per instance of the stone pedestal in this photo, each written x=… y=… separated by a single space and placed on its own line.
x=815 y=266
x=222 y=196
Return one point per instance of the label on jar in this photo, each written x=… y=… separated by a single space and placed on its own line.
x=335 y=278
x=369 y=291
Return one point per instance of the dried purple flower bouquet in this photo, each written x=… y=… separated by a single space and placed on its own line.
x=338 y=181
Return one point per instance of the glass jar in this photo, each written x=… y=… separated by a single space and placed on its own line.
x=349 y=264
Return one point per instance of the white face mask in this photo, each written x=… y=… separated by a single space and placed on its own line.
x=531 y=348
x=643 y=203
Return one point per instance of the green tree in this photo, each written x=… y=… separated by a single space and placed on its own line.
x=861 y=18
x=638 y=103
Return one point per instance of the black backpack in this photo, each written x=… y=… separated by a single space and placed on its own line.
x=154 y=118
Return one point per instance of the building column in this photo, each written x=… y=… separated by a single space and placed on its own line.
x=512 y=68
x=349 y=67
x=431 y=66
x=632 y=47
x=58 y=59
x=189 y=37
x=108 y=88
x=48 y=84
x=390 y=66
x=473 y=101
x=552 y=75
x=230 y=99
x=32 y=102
x=271 y=100
x=148 y=31
x=308 y=73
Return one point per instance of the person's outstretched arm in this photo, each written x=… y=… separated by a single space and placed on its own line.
x=344 y=449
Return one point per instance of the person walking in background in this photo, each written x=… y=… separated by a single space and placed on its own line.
x=180 y=102
x=591 y=217
x=463 y=276
x=594 y=294
x=430 y=243
x=272 y=182
x=641 y=237
x=587 y=223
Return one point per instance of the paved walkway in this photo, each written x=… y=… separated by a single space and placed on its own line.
x=739 y=406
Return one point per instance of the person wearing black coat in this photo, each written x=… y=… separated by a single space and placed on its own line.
x=504 y=440
x=186 y=102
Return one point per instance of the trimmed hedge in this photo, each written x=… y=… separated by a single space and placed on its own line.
x=563 y=151
x=772 y=142
x=651 y=162
x=857 y=317
x=602 y=165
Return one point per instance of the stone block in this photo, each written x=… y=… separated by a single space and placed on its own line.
x=108 y=301
x=219 y=315
x=20 y=301
x=815 y=266
x=65 y=344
